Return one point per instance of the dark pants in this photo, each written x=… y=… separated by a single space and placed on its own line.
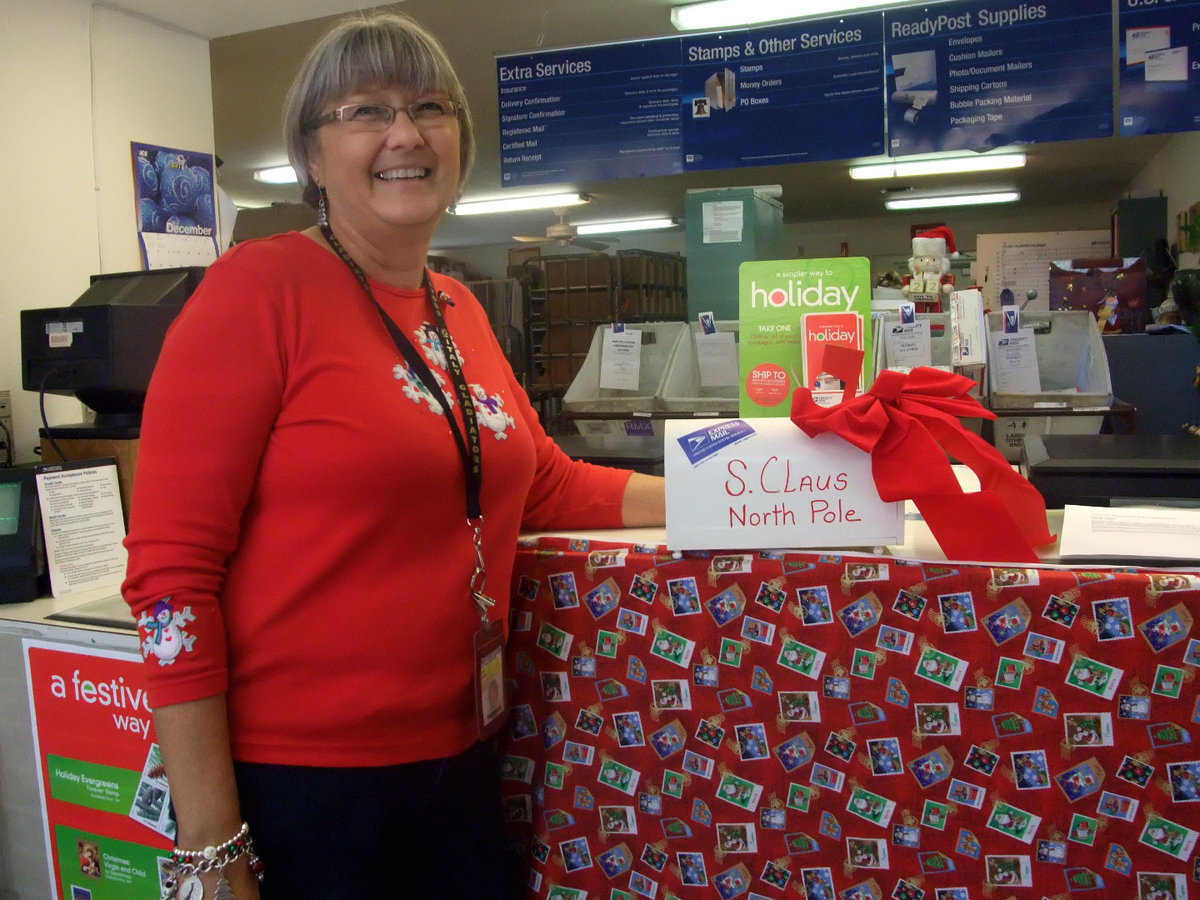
x=429 y=830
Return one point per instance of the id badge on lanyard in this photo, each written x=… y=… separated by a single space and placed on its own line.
x=488 y=643
x=491 y=702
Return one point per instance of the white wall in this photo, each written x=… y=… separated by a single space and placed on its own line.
x=48 y=229
x=151 y=85
x=77 y=85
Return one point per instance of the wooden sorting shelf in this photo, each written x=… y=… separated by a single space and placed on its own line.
x=570 y=295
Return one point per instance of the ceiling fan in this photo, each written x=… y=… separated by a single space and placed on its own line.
x=562 y=233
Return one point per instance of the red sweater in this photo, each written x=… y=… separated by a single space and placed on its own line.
x=301 y=499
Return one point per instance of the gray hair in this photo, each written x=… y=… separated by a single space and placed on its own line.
x=381 y=50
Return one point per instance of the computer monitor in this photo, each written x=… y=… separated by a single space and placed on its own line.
x=103 y=347
x=22 y=553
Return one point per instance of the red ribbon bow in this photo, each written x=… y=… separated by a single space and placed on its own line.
x=908 y=423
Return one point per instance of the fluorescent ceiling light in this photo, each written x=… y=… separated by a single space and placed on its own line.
x=953 y=200
x=948 y=165
x=630 y=225
x=728 y=13
x=517 y=204
x=276 y=175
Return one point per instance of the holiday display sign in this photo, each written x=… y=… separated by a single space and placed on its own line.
x=106 y=804
x=790 y=310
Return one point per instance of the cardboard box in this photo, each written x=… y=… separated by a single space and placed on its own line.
x=580 y=339
x=577 y=305
x=556 y=307
x=599 y=304
x=562 y=370
x=556 y=273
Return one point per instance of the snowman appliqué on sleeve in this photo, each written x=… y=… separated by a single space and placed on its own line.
x=489 y=408
x=166 y=636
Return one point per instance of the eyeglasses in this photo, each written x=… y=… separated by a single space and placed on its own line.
x=378 y=116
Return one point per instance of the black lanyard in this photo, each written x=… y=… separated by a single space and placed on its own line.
x=470 y=450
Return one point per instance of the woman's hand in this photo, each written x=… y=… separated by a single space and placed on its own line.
x=194 y=738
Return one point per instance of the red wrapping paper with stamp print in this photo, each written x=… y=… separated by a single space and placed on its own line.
x=800 y=724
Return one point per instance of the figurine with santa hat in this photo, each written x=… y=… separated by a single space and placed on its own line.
x=930 y=280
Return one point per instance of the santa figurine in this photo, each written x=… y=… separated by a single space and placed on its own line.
x=930 y=281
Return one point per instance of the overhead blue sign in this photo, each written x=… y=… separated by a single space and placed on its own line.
x=784 y=94
x=761 y=96
x=961 y=75
x=1160 y=66
x=590 y=113
x=974 y=76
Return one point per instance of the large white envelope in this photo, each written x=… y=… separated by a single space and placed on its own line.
x=1170 y=64
x=763 y=484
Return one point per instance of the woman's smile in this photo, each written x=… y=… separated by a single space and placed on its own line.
x=401 y=174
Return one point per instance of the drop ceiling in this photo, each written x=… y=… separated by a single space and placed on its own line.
x=256 y=47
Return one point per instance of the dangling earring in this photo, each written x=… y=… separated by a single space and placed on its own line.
x=322 y=209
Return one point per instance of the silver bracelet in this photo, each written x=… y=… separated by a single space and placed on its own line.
x=185 y=884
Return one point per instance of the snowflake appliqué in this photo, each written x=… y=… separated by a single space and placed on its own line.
x=430 y=342
x=416 y=390
x=489 y=412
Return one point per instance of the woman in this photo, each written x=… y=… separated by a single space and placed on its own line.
x=315 y=527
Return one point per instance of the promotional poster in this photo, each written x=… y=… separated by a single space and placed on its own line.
x=789 y=310
x=105 y=801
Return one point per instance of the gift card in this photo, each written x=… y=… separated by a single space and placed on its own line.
x=795 y=751
x=941 y=668
x=1094 y=677
x=1088 y=729
x=739 y=792
x=726 y=606
x=938 y=719
x=603 y=598
x=801 y=658
x=862 y=614
x=799 y=706
x=932 y=767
